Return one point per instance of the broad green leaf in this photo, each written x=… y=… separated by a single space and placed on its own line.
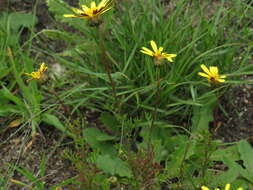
x=202 y=116
x=96 y=139
x=19 y=19
x=230 y=151
x=5 y=110
x=113 y=166
x=110 y=121
x=230 y=175
x=246 y=152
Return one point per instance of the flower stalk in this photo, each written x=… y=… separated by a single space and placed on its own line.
x=104 y=59
x=157 y=101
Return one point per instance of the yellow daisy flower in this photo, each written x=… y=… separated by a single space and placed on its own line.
x=227 y=187
x=212 y=74
x=38 y=74
x=157 y=53
x=91 y=12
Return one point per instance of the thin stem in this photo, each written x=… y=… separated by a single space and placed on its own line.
x=157 y=100
x=106 y=63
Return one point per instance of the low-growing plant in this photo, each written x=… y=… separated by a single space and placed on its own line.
x=143 y=121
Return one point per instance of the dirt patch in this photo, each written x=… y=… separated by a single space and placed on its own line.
x=47 y=145
x=236 y=122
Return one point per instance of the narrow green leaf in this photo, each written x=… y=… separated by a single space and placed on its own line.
x=54 y=121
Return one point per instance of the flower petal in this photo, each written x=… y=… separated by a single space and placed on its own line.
x=204 y=75
x=77 y=11
x=169 y=59
x=105 y=10
x=205 y=69
x=223 y=76
x=214 y=70
x=70 y=16
x=160 y=49
x=103 y=3
x=204 y=188
x=221 y=80
x=84 y=7
x=93 y=4
x=227 y=187
x=148 y=51
x=153 y=45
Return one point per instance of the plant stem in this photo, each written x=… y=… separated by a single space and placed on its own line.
x=105 y=61
x=157 y=100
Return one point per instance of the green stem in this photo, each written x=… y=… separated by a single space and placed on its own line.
x=105 y=60
x=157 y=100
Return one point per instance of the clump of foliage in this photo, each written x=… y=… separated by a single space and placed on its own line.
x=153 y=106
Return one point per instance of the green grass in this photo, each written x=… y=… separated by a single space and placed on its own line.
x=148 y=134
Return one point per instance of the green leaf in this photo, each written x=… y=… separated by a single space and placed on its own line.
x=230 y=175
x=230 y=151
x=19 y=19
x=113 y=166
x=246 y=152
x=58 y=35
x=100 y=141
x=53 y=120
x=202 y=116
x=5 y=93
x=109 y=121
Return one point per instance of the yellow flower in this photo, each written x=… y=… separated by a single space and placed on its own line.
x=157 y=53
x=212 y=74
x=92 y=12
x=38 y=74
x=227 y=187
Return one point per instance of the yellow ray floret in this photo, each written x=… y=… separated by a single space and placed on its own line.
x=212 y=74
x=91 y=12
x=37 y=74
x=227 y=187
x=157 y=53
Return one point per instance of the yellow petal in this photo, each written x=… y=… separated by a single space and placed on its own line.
x=77 y=11
x=204 y=75
x=227 y=187
x=169 y=59
x=221 y=80
x=84 y=7
x=43 y=68
x=223 y=76
x=214 y=70
x=153 y=45
x=148 y=51
x=217 y=189
x=160 y=49
x=102 y=4
x=70 y=16
x=205 y=69
x=27 y=74
x=105 y=10
x=240 y=188
x=169 y=55
x=93 y=4
x=204 y=188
